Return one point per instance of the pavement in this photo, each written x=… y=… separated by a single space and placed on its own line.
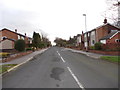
x=24 y=58
x=90 y=54
x=60 y=68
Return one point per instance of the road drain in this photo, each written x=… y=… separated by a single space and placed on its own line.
x=56 y=73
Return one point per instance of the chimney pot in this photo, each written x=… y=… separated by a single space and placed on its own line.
x=16 y=30
x=25 y=34
x=105 y=21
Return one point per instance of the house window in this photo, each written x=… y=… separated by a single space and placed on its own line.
x=18 y=36
x=114 y=30
x=93 y=42
x=4 y=37
x=22 y=37
x=117 y=40
x=88 y=34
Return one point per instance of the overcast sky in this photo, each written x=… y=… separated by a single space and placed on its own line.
x=58 y=18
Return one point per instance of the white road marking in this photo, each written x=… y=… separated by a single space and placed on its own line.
x=79 y=84
x=19 y=65
x=73 y=75
x=61 y=57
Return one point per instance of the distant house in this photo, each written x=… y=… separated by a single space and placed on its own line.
x=78 y=40
x=111 y=38
x=9 y=37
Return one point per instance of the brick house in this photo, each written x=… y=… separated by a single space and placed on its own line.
x=98 y=33
x=8 y=36
x=89 y=38
x=112 y=38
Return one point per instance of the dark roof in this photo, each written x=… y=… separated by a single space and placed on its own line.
x=109 y=35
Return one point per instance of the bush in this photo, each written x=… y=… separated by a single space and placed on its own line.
x=92 y=47
x=28 y=49
x=20 y=45
x=98 y=46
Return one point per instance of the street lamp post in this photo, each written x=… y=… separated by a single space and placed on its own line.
x=86 y=32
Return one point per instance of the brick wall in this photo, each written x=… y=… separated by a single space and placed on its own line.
x=106 y=52
x=101 y=32
x=8 y=34
x=113 y=39
x=111 y=46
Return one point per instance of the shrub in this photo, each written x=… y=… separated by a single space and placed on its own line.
x=20 y=45
x=98 y=46
x=28 y=49
x=4 y=54
x=92 y=47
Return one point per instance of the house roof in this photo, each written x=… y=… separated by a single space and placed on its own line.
x=105 y=25
x=12 y=31
x=101 y=26
x=109 y=36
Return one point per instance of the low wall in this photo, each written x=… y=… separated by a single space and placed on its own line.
x=106 y=52
x=12 y=57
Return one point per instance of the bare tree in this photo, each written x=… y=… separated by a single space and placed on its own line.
x=113 y=11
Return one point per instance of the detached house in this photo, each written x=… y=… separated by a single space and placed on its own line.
x=99 y=34
x=8 y=38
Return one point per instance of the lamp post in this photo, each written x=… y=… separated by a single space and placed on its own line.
x=86 y=32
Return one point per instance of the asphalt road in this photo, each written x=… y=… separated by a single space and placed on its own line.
x=60 y=68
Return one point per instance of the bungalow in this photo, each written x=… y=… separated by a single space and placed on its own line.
x=9 y=37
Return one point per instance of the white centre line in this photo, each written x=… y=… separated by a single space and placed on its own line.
x=79 y=84
x=61 y=57
x=73 y=75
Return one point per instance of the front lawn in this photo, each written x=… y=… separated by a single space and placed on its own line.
x=111 y=58
x=4 y=68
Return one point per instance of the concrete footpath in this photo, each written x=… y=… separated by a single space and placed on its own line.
x=93 y=55
x=24 y=58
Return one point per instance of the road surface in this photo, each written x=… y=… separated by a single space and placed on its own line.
x=60 y=68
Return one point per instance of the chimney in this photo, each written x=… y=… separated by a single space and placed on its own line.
x=105 y=21
x=16 y=30
x=25 y=34
x=82 y=32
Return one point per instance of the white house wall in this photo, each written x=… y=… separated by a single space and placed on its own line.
x=92 y=37
x=6 y=44
x=79 y=39
x=103 y=41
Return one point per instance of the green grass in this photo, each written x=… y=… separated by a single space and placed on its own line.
x=4 y=68
x=111 y=58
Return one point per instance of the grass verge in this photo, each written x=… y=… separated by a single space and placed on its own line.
x=111 y=58
x=4 y=68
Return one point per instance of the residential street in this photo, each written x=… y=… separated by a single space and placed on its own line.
x=60 y=68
